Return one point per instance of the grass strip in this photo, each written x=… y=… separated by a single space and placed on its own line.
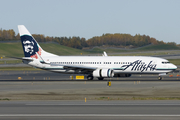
x=138 y=98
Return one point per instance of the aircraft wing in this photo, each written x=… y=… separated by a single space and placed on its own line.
x=78 y=69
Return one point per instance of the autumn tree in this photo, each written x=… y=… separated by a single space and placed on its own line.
x=107 y=39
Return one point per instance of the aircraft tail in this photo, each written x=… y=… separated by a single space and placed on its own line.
x=30 y=46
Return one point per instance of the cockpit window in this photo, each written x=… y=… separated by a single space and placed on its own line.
x=166 y=62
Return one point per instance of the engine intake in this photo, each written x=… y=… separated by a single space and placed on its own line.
x=103 y=73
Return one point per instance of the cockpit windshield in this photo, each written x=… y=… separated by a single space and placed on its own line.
x=167 y=62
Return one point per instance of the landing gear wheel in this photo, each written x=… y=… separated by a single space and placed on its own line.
x=90 y=77
x=159 y=78
x=100 y=78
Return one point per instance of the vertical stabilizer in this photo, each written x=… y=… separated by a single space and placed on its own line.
x=30 y=46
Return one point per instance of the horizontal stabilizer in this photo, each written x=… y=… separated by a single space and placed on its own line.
x=23 y=58
x=27 y=58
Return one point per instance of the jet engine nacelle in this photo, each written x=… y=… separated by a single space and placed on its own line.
x=103 y=73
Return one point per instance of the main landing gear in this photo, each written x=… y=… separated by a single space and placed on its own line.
x=100 y=78
x=90 y=77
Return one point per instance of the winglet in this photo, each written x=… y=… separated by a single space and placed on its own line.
x=105 y=54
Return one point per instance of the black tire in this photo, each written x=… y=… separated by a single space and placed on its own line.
x=159 y=78
x=100 y=78
x=90 y=77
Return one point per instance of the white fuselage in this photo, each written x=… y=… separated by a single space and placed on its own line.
x=119 y=64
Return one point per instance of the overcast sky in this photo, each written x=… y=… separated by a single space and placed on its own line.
x=88 y=18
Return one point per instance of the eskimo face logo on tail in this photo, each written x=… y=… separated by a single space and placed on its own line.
x=28 y=46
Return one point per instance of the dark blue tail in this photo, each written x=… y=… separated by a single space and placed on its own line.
x=29 y=44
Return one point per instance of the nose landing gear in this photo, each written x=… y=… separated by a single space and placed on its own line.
x=159 y=78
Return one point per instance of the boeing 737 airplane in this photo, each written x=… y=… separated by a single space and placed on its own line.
x=94 y=66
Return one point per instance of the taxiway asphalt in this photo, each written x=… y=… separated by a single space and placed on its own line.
x=101 y=110
x=45 y=95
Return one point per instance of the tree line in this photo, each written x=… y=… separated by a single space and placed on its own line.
x=116 y=40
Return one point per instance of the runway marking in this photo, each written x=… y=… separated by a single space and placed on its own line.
x=88 y=115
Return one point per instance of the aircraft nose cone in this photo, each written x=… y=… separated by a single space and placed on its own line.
x=174 y=66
